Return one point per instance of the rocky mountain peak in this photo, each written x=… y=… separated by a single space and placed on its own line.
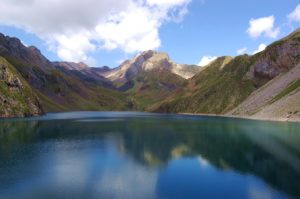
x=10 y=45
x=144 y=55
x=277 y=58
x=34 y=49
x=31 y=56
x=148 y=61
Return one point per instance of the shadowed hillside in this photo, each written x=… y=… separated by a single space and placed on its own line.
x=57 y=90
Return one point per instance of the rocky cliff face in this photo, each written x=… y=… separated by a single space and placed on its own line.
x=16 y=97
x=12 y=47
x=149 y=61
x=29 y=61
x=278 y=58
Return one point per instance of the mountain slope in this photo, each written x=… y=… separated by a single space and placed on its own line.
x=150 y=77
x=219 y=87
x=226 y=83
x=287 y=108
x=264 y=85
x=16 y=97
x=84 y=73
x=148 y=61
x=148 y=88
x=279 y=98
x=56 y=87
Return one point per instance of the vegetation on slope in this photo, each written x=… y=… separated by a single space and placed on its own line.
x=16 y=97
x=150 y=87
x=220 y=87
x=58 y=91
x=217 y=89
x=290 y=88
x=149 y=81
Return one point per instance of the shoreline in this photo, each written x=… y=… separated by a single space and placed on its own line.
x=271 y=119
x=281 y=119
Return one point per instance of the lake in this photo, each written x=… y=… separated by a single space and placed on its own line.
x=147 y=156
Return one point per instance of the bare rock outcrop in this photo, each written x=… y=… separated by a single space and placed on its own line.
x=148 y=61
x=16 y=97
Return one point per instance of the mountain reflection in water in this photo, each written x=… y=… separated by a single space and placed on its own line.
x=135 y=155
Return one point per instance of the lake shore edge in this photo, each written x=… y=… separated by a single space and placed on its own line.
x=274 y=119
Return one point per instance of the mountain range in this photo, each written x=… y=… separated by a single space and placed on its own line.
x=265 y=85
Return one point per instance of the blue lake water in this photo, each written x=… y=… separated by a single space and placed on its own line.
x=147 y=156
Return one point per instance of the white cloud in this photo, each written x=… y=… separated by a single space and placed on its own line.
x=263 y=26
x=295 y=15
x=260 y=48
x=76 y=28
x=242 y=51
x=206 y=60
x=132 y=31
x=73 y=47
x=167 y=3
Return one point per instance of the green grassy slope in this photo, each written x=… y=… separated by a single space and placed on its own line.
x=217 y=89
x=59 y=92
x=16 y=97
x=221 y=87
x=150 y=87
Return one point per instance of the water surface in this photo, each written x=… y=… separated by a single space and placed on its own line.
x=141 y=156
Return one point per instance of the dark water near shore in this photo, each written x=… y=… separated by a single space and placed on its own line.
x=140 y=156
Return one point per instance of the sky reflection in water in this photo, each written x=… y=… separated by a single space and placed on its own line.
x=137 y=155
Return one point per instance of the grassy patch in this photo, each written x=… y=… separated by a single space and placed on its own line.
x=217 y=89
x=290 y=88
x=17 y=100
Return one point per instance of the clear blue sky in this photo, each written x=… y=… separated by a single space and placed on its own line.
x=186 y=30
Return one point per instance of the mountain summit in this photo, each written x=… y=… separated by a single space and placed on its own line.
x=149 y=61
x=150 y=77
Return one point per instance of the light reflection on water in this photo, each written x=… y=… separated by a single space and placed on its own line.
x=137 y=155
